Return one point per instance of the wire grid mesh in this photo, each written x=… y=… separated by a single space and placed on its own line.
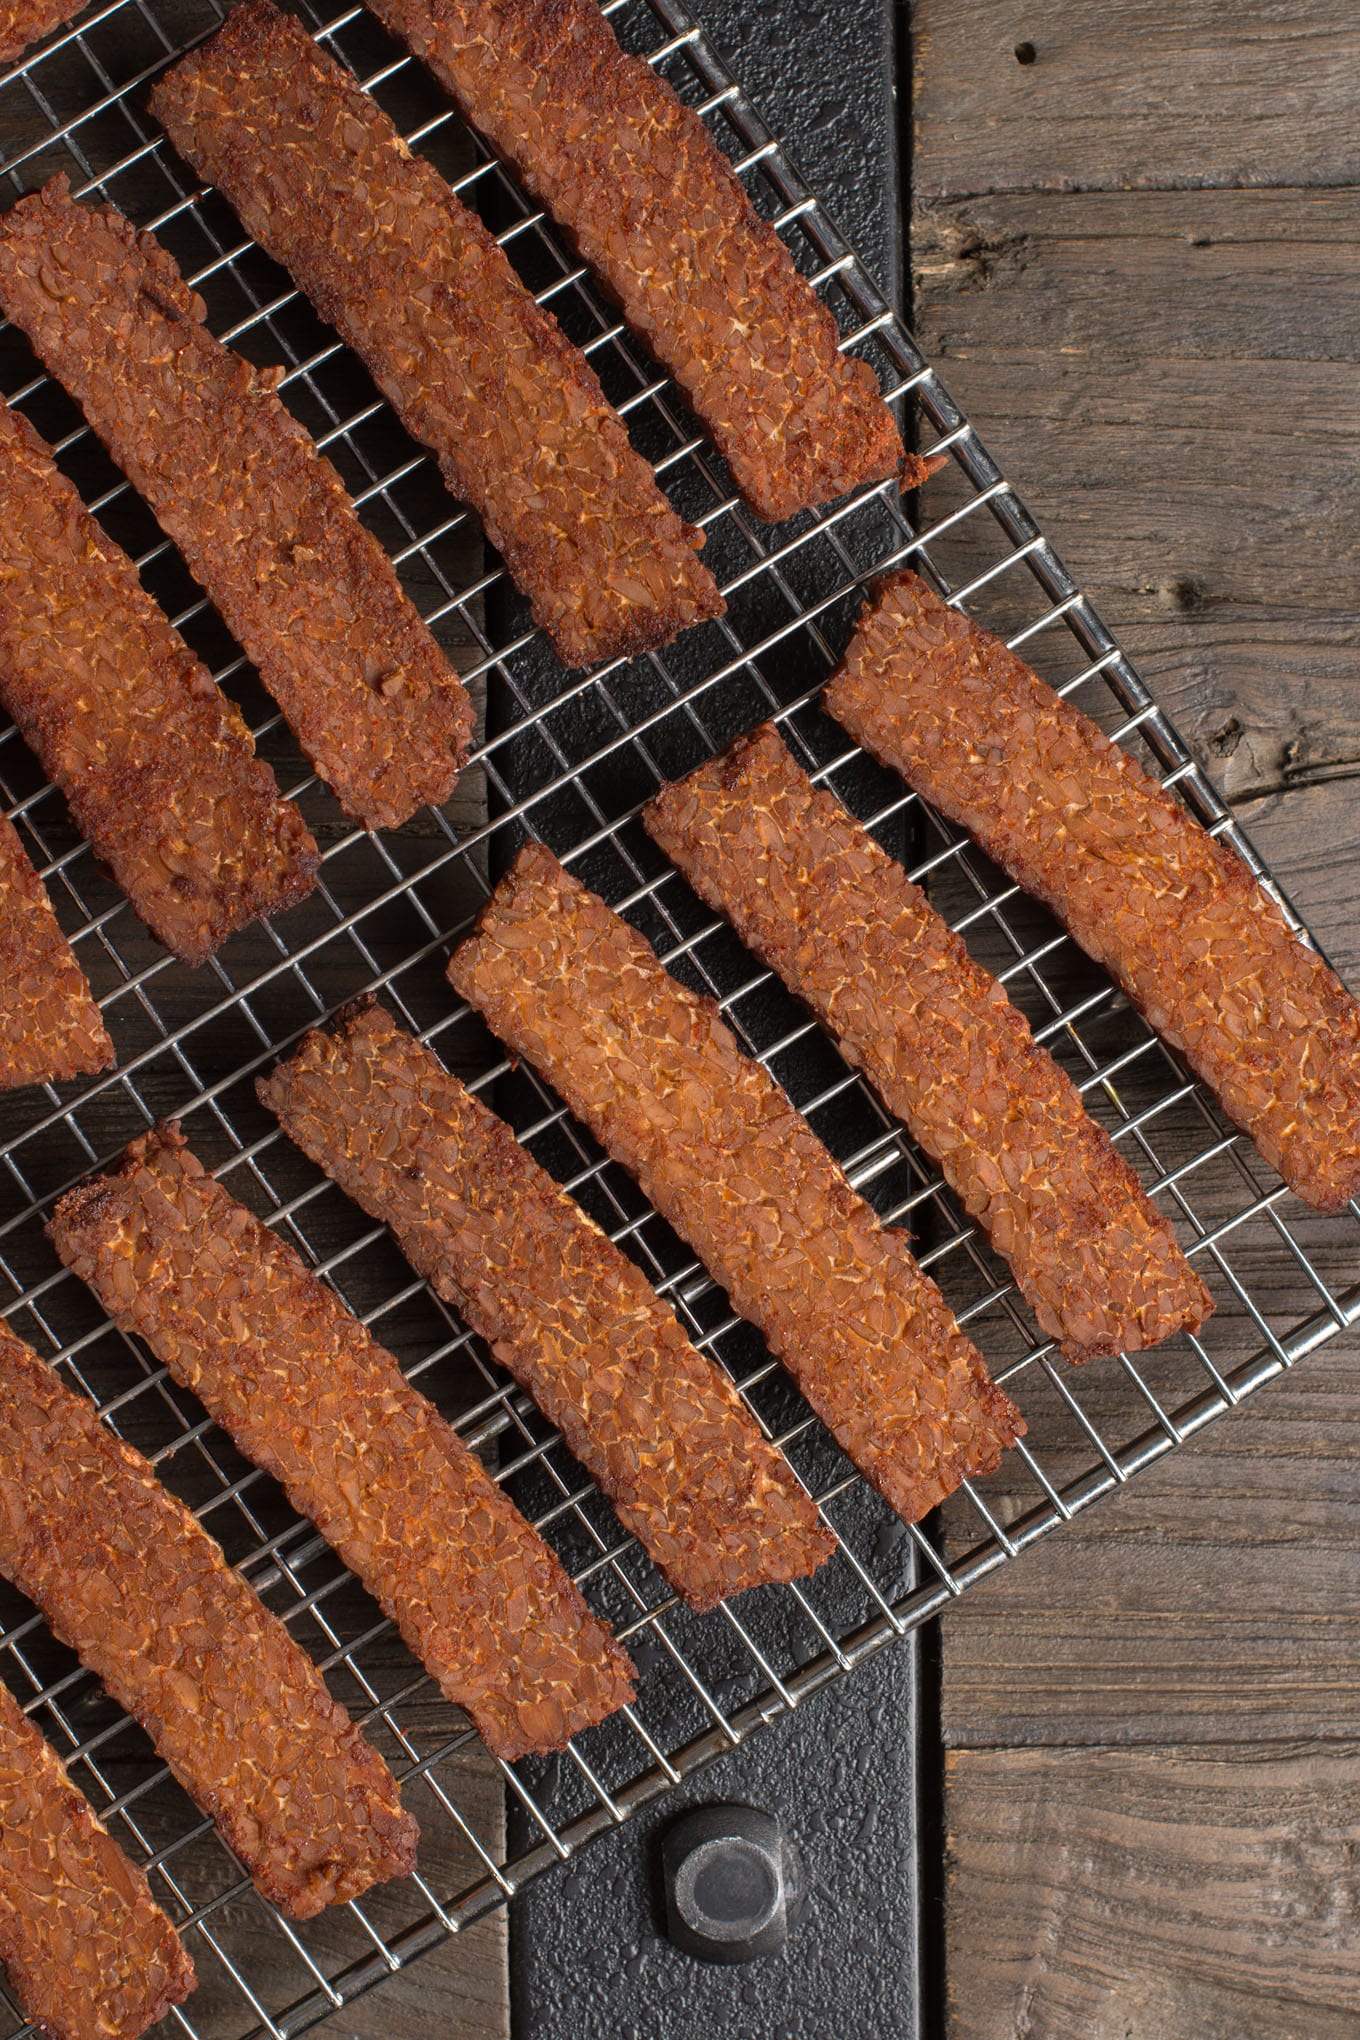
x=570 y=758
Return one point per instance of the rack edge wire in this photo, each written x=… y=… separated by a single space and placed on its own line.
x=919 y=383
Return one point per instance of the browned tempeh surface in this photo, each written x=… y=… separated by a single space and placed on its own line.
x=127 y=1577
x=157 y=766
x=260 y=516
x=662 y=1430
x=49 y=1023
x=415 y=284
x=817 y=898
x=310 y=1396
x=647 y=196
x=719 y=1150
x=88 y=1953
x=1174 y=916
x=24 y=21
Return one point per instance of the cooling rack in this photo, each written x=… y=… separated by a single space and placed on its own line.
x=571 y=758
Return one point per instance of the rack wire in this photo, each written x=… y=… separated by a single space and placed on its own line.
x=570 y=758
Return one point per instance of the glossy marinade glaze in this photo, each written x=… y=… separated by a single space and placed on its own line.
x=157 y=766
x=138 y=1589
x=474 y=368
x=260 y=515
x=826 y=908
x=1176 y=918
x=50 y=1026
x=88 y=1953
x=660 y=1429
x=647 y=197
x=307 y=1394
x=727 y=1161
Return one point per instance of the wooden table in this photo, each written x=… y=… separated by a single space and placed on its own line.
x=1135 y=245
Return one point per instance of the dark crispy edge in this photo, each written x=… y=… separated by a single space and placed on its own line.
x=1317 y=1151
x=555 y=1234
x=142 y=1966
x=563 y=161
x=258 y=40
x=264 y=1655
x=135 y=1215
x=383 y=752
x=50 y=1026
x=673 y=1011
x=829 y=854
x=93 y=582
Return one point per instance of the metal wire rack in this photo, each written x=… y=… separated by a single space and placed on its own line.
x=571 y=758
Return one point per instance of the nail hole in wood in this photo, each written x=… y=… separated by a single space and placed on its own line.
x=1025 y=53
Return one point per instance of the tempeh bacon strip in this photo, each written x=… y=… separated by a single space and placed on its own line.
x=1175 y=917
x=721 y=1153
x=157 y=766
x=307 y=1394
x=88 y=1952
x=24 y=21
x=817 y=898
x=49 y=1023
x=261 y=517
x=605 y=144
x=662 y=1430
x=419 y=289
x=138 y=1589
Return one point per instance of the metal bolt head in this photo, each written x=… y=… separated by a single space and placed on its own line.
x=734 y=1884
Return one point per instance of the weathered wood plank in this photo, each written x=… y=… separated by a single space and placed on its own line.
x=1169 y=378
x=1223 y=488
x=1168 y=375
x=1194 y=495
x=1151 y=1895
x=458 y=1989
x=1219 y=1595
x=1116 y=276
x=1152 y=92
x=1215 y=1597
x=1312 y=838
x=1225 y=1574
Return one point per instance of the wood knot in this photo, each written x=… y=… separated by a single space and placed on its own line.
x=1185 y=593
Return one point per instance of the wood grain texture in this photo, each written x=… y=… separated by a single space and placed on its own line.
x=1146 y=1895
x=1154 y=1767
x=460 y=1990
x=1151 y=92
x=1216 y=1597
x=1171 y=378
x=1257 y=275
